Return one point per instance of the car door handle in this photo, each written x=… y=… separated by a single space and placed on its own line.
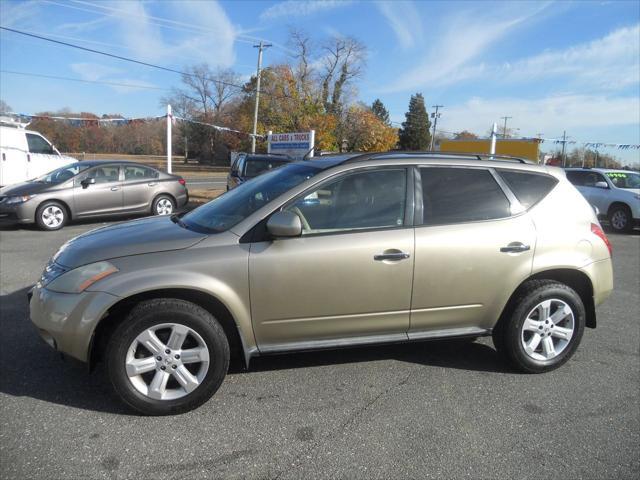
x=515 y=247
x=391 y=256
x=115 y=189
x=152 y=184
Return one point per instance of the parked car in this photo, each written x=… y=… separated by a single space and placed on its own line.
x=342 y=251
x=92 y=189
x=25 y=154
x=248 y=166
x=615 y=193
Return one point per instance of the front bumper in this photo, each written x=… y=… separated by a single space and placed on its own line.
x=66 y=321
x=18 y=213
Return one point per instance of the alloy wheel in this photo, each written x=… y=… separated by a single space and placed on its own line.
x=167 y=361
x=164 y=207
x=548 y=329
x=52 y=216
x=619 y=220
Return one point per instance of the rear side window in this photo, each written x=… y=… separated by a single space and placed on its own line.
x=458 y=195
x=37 y=144
x=134 y=172
x=584 y=179
x=529 y=188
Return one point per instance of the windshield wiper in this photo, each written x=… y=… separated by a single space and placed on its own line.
x=176 y=219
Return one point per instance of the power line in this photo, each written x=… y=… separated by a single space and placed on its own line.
x=126 y=59
x=115 y=84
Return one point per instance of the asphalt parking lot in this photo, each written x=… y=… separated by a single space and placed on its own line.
x=427 y=410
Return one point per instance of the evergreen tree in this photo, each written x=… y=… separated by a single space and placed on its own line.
x=379 y=110
x=415 y=132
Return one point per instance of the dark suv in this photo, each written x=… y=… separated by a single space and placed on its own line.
x=247 y=166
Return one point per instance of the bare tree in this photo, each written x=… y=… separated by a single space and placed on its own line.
x=4 y=107
x=303 y=53
x=345 y=59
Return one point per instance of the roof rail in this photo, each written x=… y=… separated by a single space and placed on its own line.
x=477 y=156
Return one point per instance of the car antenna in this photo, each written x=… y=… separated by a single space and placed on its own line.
x=306 y=155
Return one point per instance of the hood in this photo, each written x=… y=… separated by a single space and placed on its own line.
x=25 y=188
x=147 y=235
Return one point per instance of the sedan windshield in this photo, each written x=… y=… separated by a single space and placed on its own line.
x=62 y=174
x=234 y=206
x=625 y=179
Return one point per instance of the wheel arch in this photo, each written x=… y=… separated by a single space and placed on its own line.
x=574 y=278
x=117 y=313
x=618 y=203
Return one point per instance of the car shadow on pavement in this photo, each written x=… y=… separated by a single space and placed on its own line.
x=34 y=370
x=457 y=354
x=37 y=371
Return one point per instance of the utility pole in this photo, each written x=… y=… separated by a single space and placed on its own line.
x=564 y=143
x=504 y=131
x=435 y=115
x=260 y=48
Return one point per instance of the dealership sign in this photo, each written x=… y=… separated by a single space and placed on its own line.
x=296 y=144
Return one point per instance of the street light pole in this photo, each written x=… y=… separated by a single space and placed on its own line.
x=435 y=116
x=260 y=48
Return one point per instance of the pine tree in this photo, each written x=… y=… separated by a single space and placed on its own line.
x=415 y=132
x=379 y=110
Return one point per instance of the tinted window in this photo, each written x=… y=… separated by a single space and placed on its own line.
x=584 y=178
x=529 y=188
x=372 y=199
x=237 y=204
x=102 y=174
x=256 y=166
x=457 y=195
x=37 y=144
x=134 y=172
x=62 y=174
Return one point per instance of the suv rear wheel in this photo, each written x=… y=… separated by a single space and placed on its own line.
x=169 y=356
x=543 y=327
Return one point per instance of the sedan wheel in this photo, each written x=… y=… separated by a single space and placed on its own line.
x=163 y=206
x=51 y=216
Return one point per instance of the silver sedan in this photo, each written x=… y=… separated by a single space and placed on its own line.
x=92 y=189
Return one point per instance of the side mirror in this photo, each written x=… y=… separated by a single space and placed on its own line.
x=601 y=184
x=284 y=224
x=88 y=181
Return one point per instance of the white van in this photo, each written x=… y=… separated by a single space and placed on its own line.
x=25 y=154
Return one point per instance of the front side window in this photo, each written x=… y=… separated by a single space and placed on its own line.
x=37 y=144
x=135 y=172
x=624 y=179
x=459 y=195
x=235 y=205
x=357 y=201
x=584 y=178
x=102 y=174
x=62 y=174
x=529 y=188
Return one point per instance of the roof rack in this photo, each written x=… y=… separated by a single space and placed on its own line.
x=477 y=156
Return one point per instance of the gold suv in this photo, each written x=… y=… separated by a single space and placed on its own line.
x=333 y=252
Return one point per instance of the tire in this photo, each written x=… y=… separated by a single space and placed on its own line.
x=51 y=216
x=519 y=326
x=135 y=360
x=163 y=205
x=620 y=219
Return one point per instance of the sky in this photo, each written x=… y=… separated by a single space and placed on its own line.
x=551 y=66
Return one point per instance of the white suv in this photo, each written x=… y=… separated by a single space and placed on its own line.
x=616 y=194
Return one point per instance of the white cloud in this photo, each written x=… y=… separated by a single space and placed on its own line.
x=466 y=37
x=404 y=20
x=549 y=114
x=293 y=8
x=610 y=62
x=94 y=71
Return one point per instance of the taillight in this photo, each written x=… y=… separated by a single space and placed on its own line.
x=595 y=228
x=182 y=181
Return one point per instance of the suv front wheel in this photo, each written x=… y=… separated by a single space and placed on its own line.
x=168 y=356
x=542 y=328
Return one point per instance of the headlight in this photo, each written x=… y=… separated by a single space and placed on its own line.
x=18 y=199
x=81 y=278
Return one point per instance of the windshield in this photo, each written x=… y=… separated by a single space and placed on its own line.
x=256 y=166
x=62 y=174
x=625 y=179
x=234 y=206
